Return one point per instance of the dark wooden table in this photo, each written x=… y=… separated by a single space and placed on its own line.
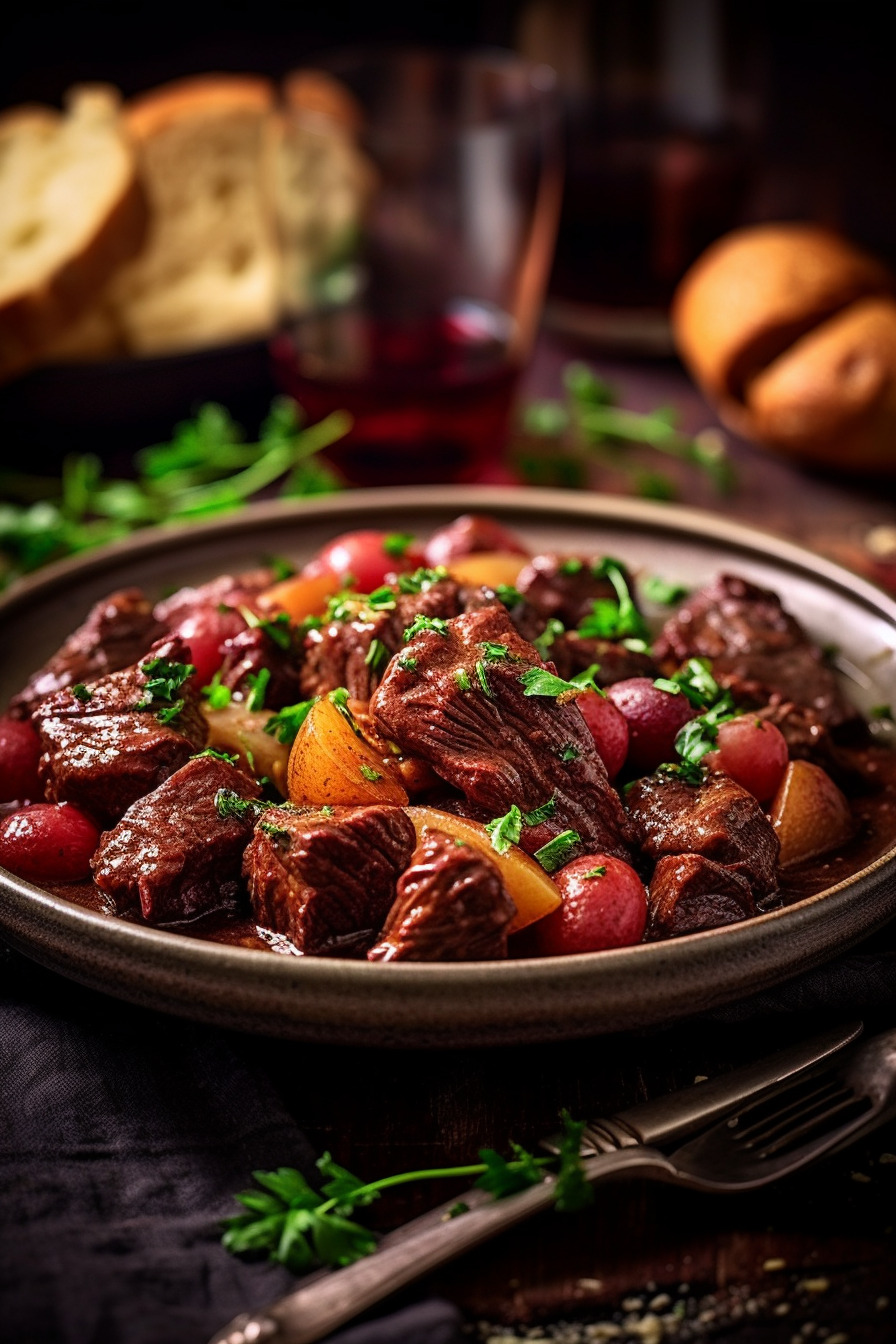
x=810 y=1259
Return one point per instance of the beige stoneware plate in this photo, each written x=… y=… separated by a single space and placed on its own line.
x=318 y=999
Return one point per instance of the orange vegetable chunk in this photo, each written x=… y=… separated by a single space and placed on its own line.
x=490 y=568
x=528 y=885
x=330 y=763
x=302 y=595
x=809 y=814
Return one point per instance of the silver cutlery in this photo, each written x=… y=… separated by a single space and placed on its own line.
x=757 y=1124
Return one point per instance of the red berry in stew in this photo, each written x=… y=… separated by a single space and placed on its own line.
x=754 y=753
x=50 y=842
x=205 y=631
x=608 y=727
x=604 y=905
x=19 y=754
x=368 y=557
x=654 y=718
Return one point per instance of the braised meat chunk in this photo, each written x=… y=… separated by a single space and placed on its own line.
x=451 y=906
x=572 y=653
x=261 y=664
x=117 y=632
x=227 y=590
x=717 y=819
x=566 y=589
x=458 y=700
x=327 y=877
x=109 y=742
x=689 y=892
x=174 y=854
x=758 y=650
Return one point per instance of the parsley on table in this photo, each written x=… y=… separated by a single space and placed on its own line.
x=301 y=1227
x=285 y=724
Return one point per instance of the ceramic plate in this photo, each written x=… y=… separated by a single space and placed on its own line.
x=455 y=1005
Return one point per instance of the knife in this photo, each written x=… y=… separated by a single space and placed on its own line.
x=329 y=1298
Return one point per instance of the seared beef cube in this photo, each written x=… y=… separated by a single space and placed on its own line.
x=717 y=819
x=343 y=652
x=564 y=589
x=574 y=653
x=689 y=892
x=255 y=649
x=102 y=752
x=757 y=649
x=451 y=906
x=228 y=590
x=173 y=856
x=327 y=878
x=116 y=633
x=456 y=699
x=471 y=534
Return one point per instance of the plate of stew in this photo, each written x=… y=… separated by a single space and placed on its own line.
x=446 y=766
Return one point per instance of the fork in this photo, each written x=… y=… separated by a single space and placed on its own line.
x=774 y=1134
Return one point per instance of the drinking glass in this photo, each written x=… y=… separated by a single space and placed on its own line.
x=418 y=202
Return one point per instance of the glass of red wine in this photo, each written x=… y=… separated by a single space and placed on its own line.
x=418 y=198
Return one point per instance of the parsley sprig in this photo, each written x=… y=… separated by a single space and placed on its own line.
x=609 y=618
x=538 y=681
x=163 y=680
x=207 y=468
x=300 y=1227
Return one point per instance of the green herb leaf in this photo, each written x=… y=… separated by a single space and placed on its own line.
x=881 y=712
x=540 y=814
x=558 y=851
x=397 y=544
x=482 y=678
x=505 y=831
x=163 y=680
x=502 y=1178
x=571 y=567
x=218 y=696
x=228 y=803
x=369 y=773
x=377 y=656
x=570 y=752
x=420 y=580
x=548 y=637
x=496 y=653
x=215 y=755
x=508 y=595
x=462 y=679
x=599 y=871
x=423 y=623
x=81 y=692
x=285 y=724
x=258 y=685
x=407 y=664
x=276 y=833
x=613 y=620
x=663 y=592
x=571 y=1190
x=538 y=681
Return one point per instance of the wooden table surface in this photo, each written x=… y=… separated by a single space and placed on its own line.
x=810 y=1259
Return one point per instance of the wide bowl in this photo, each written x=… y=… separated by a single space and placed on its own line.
x=320 y=999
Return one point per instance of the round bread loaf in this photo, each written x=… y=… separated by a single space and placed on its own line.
x=71 y=211
x=791 y=332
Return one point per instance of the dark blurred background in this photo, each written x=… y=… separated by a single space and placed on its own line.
x=685 y=116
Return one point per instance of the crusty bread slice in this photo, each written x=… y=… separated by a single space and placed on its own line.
x=209 y=272
x=71 y=211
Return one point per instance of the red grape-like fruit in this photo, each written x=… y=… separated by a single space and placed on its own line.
x=19 y=754
x=655 y=718
x=365 y=555
x=600 y=909
x=469 y=534
x=608 y=727
x=49 y=842
x=753 y=752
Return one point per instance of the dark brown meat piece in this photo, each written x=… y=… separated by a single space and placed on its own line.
x=757 y=649
x=717 y=819
x=228 y=590
x=689 y=892
x=173 y=856
x=328 y=879
x=339 y=654
x=499 y=746
x=563 y=589
x=117 y=632
x=248 y=653
x=471 y=534
x=103 y=753
x=574 y=653
x=451 y=906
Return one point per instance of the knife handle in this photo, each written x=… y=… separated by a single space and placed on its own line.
x=315 y=1310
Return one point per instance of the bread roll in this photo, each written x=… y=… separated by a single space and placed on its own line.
x=791 y=331
x=71 y=211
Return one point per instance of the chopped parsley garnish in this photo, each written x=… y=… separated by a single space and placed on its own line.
x=506 y=831
x=382 y=598
x=698 y=738
x=163 y=680
x=666 y=684
x=215 y=755
x=462 y=679
x=421 y=623
x=482 y=678
x=397 y=544
x=218 y=696
x=277 y=628
x=635 y=645
x=599 y=871
x=280 y=567
x=558 y=851
x=228 y=803
x=548 y=636
x=339 y=698
x=508 y=595
x=300 y=1227
x=421 y=579
x=540 y=814
x=538 y=681
x=407 y=664
x=663 y=592
x=327 y=810
x=571 y=567
x=609 y=619
x=377 y=656
x=277 y=833
x=878 y=711
x=369 y=773
x=81 y=692
x=285 y=724
x=349 y=606
x=496 y=653
x=569 y=752
x=258 y=685
x=697 y=682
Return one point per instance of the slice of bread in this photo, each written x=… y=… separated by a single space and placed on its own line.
x=209 y=272
x=71 y=211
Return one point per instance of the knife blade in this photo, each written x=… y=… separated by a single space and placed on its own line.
x=434 y=1239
